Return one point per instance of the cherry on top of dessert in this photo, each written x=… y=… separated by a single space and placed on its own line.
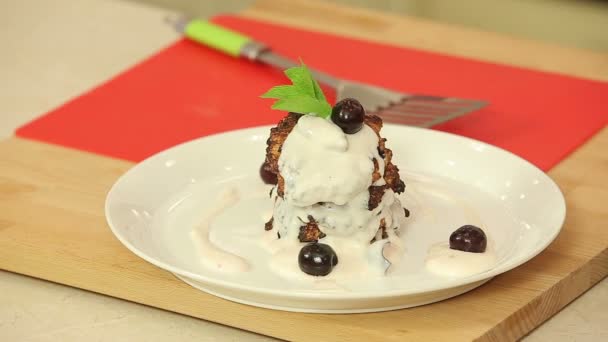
x=348 y=114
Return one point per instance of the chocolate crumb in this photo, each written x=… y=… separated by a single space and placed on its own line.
x=310 y=231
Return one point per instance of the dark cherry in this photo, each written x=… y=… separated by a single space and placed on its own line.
x=267 y=176
x=317 y=259
x=469 y=238
x=348 y=114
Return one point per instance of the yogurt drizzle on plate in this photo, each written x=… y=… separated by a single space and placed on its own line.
x=213 y=256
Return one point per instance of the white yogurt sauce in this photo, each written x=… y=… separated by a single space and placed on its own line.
x=322 y=164
x=352 y=220
x=213 y=256
x=444 y=261
x=327 y=175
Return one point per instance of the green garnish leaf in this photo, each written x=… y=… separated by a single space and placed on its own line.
x=303 y=96
x=281 y=91
x=307 y=105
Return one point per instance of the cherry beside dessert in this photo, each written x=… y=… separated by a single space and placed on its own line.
x=317 y=259
x=267 y=176
x=348 y=114
x=468 y=238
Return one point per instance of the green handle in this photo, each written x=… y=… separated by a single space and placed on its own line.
x=216 y=36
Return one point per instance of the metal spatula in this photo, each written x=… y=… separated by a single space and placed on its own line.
x=410 y=109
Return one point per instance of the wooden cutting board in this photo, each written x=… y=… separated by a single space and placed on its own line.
x=52 y=224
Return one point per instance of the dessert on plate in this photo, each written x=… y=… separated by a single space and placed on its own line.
x=336 y=184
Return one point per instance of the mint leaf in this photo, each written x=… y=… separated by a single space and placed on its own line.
x=303 y=96
x=312 y=105
x=317 y=92
x=279 y=92
x=301 y=80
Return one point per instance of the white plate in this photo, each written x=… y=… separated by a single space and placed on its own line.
x=451 y=181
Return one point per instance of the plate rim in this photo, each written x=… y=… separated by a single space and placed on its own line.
x=448 y=283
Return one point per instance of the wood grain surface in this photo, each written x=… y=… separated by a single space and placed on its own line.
x=52 y=223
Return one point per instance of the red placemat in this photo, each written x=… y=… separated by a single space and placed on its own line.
x=187 y=91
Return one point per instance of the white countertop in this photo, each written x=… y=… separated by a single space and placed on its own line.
x=55 y=50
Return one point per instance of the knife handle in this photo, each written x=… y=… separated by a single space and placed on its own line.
x=220 y=38
x=239 y=45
